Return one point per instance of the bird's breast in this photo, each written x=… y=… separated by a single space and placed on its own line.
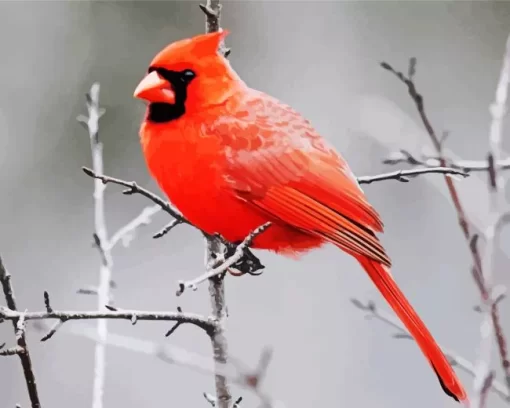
x=190 y=168
x=180 y=157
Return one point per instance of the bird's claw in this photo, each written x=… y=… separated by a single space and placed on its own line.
x=249 y=264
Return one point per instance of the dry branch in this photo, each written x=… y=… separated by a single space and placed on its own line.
x=405 y=175
x=216 y=266
x=491 y=325
x=19 y=329
x=455 y=359
x=125 y=233
x=481 y=273
x=212 y=10
x=113 y=314
x=91 y=123
x=468 y=166
x=232 y=370
x=222 y=266
x=134 y=188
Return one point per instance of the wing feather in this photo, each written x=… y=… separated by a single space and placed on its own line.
x=291 y=173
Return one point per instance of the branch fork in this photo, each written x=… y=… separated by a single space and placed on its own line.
x=222 y=266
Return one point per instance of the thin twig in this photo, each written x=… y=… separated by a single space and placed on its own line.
x=222 y=267
x=134 y=188
x=87 y=291
x=12 y=351
x=436 y=141
x=167 y=228
x=101 y=239
x=404 y=175
x=125 y=234
x=454 y=358
x=178 y=324
x=468 y=166
x=480 y=275
x=497 y=214
x=236 y=373
x=19 y=329
x=118 y=314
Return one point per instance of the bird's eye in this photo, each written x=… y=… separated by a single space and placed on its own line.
x=188 y=75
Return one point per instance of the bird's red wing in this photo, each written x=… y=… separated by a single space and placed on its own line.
x=277 y=162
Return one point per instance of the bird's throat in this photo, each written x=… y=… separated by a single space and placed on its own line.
x=165 y=112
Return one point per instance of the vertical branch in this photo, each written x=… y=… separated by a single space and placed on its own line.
x=497 y=209
x=219 y=309
x=212 y=10
x=19 y=329
x=482 y=274
x=100 y=240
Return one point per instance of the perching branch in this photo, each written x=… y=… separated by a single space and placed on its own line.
x=19 y=329
x=134 y=188
x=219 y=311
x=222 y=266
x=212 y=10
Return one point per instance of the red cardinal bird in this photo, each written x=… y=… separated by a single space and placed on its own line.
x=231 y=158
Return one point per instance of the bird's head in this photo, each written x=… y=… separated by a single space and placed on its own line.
x=187 y=76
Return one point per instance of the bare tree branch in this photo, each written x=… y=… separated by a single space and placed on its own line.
x=134 y=188
x=12 y=351
x=498 y=211
x=455 y=359
x=101 y=239
x=232 y=370
x=212 y=10
x=167 y=228
x=403 y=156
x=19 y=329
x=125 y=234
x=204 y=323
x=482 y=275
x=399 y=175
x=404 y=175
x=222 y=266
x=219 y=311
x=436 y=141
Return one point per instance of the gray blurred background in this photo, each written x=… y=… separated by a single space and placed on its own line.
x=322 y=58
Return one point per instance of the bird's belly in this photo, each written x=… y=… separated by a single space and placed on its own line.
x=195 y=185
x=216 y=210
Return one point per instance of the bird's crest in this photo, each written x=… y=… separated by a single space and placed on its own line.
x=200 y=46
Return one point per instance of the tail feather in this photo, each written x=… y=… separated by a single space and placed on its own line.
x=381 y=277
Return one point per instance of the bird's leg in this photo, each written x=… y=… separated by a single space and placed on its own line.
x=248 y=264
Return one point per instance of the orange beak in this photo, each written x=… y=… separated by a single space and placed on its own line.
x=153 y=88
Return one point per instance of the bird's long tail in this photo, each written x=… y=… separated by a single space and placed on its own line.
x=382 y=278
